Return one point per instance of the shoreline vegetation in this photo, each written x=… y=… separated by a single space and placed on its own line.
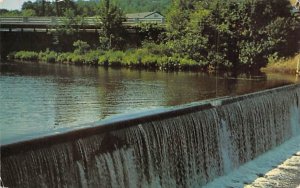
x=211 y=35
x=142 y=59
x=283 y=65
x=135 y=58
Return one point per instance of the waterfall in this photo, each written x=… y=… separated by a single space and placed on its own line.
x=227 y=148
x=187 y=146
x=295 y=120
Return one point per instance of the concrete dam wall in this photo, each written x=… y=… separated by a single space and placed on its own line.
x=184 y=146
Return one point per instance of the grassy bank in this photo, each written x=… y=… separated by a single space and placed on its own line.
x=293 y=2
x=136 y=58
x=143 y=58
x=285 y=65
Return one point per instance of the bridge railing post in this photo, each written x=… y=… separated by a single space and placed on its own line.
x=25 y=19
x=53 y=20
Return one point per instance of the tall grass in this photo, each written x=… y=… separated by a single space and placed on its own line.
x=293 y=2
x=147 y=58
x=25 y=55
x=48 y=56
x=285 y=65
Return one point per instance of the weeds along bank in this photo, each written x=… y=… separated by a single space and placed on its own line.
x=138 y=58
x=143 y=58
x=283 y=65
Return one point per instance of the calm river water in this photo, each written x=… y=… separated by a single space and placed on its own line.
x=40 y=99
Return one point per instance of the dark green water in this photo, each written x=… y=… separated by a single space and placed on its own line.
x=41 y=99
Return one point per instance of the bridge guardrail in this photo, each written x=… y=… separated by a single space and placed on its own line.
x=92 y=21
x=11 y=19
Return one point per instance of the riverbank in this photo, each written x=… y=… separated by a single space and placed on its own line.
x=142 y=58
x=286 y=65
x=135 y=58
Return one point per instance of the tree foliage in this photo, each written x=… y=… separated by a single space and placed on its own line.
x=132 y=6
x=111 y=29
x=81 y=47
x=86 y=8
x=228 y=34
x=231 y=34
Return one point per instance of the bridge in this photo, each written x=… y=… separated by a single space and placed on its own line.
x=43 y=24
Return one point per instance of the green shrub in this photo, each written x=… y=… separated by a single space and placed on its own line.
x=115 y=58
x=103 y=60
x=63 y=57
x=92 y=56
x=111 y=58
x=157 y=49
x=131 y=58
x=48 y=56
x=150 y=61
x=26 y=55
x=162 y=60
x=77 y=59
x=273 y=58
x=137 y=58
x=81 y=47
x=170 y=63
x=187 y=64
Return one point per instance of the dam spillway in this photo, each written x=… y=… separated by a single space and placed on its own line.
x=186 y=146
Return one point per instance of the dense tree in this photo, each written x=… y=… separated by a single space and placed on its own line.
x=14 y=13
x=66 y=5
x=47 y=8
x=178 y=19
x=87 y=8
x=81 y=47
x=91 y=7
x=231 y=33
x=132 y=6
x=112 y=31
x=228 y=34
x=40 y=7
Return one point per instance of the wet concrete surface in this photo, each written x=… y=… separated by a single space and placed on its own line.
x=285 y=175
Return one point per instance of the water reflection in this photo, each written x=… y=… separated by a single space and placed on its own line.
x=40 y=98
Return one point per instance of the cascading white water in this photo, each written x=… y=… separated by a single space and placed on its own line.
x=295 y=120
x=227 y=149
x=185 y=150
